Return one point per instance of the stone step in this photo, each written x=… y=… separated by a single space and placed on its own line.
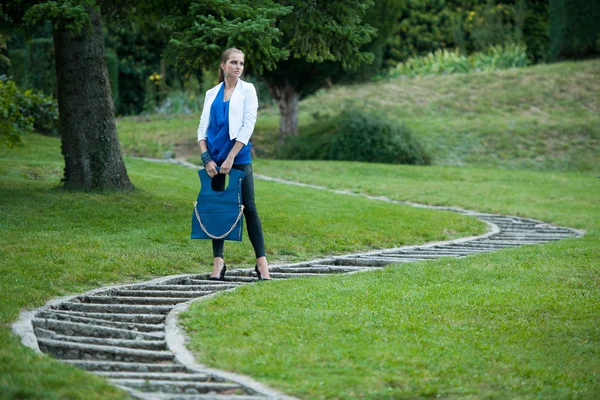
x=509 y=243
x=114 y=317
x=274 y=275
x=119 y=366
x=69 y=328
x=212 y=286
x=187 y=387
x=316 y=269
x=391 y=259
x=487 y=245
x=79 y=351
x=230 y=279
x=359 y=262
x=413 y=255
x=554 y=232
x=203 y=280
x=133 y=300
x=463 y=249
x=438 y=252
x=161 y=376
x=134 y=327
x=132 y=344
x=159 y=293
x=545 y=238
x=291 y=275
x=115 y=308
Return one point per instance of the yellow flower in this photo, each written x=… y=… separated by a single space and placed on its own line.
x=155 y=77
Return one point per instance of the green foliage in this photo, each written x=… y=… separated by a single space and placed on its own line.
x=215 y=25
x=500 y=57
x=14 y=121
x=355 y=135
x=32 y=67
x=383 y=17
x=70 y=14
x=4 y=60
x=451 y=62
x=18 y=66
x=24 y=112
x=138 y=51
x=41 y=74
x=470 y=25
x=574 y=29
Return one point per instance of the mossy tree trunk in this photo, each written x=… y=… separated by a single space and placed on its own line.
x=90 y=145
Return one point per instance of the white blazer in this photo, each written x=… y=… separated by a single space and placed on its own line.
x=243 y=107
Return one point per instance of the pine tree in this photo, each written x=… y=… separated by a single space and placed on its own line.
x=288 y=42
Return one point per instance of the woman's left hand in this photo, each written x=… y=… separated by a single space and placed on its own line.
x=226 y=166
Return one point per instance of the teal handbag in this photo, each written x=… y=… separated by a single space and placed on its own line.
x=219 y=215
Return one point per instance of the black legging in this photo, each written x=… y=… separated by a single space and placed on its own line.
x=253 y=224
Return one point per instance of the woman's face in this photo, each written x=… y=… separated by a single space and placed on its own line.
x=234 y=66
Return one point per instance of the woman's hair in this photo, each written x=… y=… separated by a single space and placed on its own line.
x=224 y=58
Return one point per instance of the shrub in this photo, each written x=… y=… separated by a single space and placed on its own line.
x=25 y=111
x=500 y=57
x=451 y=62
x=355 y=135
x=14 y=122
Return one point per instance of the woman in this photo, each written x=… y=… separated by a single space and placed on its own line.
x=226 y=124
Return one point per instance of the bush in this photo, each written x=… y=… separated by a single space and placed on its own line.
x=500 y=57
x=23 y=112
x=451 y=62
x=14 y=122
x=355 y=135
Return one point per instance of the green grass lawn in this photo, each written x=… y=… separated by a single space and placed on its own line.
x=56 y=243
x=545 y=117
x=518 y=323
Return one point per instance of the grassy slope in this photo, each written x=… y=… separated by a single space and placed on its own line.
x=520 y=323
x=56 y=243
x=545 y=117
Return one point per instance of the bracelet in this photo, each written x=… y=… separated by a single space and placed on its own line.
x=206 y=158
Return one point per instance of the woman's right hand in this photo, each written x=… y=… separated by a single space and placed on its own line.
x=211 y=168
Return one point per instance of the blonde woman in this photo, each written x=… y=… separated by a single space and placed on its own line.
x=226 y=125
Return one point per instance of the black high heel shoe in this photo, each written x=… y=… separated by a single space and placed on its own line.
x=221 y=276
x=259 y=276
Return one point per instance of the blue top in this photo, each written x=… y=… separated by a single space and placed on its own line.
x=217 y=135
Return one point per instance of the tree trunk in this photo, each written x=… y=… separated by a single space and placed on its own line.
x=287 y=98
x=90 y=145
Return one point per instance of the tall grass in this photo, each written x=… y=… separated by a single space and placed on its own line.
x=446 y=61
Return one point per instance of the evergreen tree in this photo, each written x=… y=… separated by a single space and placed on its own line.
x=89 y=141
x=294 y=38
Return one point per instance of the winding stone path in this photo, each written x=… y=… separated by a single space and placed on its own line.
x=129 y=335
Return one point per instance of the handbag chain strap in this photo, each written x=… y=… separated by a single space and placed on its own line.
x=226 y=233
